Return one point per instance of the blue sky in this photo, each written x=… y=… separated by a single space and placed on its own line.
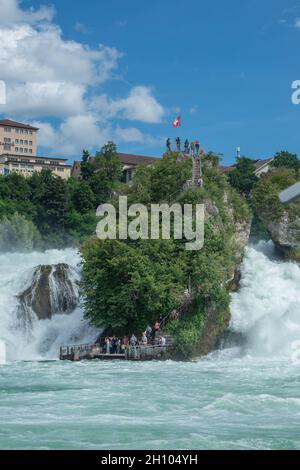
x=226 y=66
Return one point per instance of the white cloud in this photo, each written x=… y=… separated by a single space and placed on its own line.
x=57 y=99
x=140 y=106
x=48 y=76
x=85 y=132
x=297 y=23
x=81 y=28
x=11 y=13
x=129 y=134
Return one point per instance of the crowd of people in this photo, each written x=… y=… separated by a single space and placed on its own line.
x=151 y=336
x=190 y=148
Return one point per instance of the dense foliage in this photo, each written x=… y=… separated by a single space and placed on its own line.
x=62 y=211
x=265 y=195
x=287 y=160
x=243 y=177
x=128 y=284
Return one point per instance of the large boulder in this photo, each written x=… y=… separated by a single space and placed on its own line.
x=285 y=232
x=53 y=290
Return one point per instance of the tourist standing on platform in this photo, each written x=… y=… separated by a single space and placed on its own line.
x=168 y=144
x=107 y=342
x=186 y=146
x=118 y=346
x=178 y=144
x=133 y=343
x=148 y=333
x=156 y=331
x=193 y=148
x=197 y=147
x=144 y=339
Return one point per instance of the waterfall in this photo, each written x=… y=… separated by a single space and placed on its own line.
x=25 y=335
x=266 y=309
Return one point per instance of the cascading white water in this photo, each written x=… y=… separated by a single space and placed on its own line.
x=42 y=338
x=266 y=309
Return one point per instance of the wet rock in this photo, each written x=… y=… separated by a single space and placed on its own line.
x=53 y=290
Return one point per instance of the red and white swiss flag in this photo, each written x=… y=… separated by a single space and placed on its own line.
x=177 y=122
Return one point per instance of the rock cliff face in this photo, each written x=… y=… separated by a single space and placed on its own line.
x=53 y=290
x=285 y=233
x=215 y=312
x=281 y=222
x=216 y=320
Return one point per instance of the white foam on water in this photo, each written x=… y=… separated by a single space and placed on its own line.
x=266 y=309
x=40 y=339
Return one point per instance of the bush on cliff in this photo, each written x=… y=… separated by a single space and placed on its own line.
x=266 y=194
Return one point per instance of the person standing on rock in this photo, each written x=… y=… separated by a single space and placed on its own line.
x=186 y=146
x=178 y=144
x=193 y=148
x=197 y=147
x=168 y=144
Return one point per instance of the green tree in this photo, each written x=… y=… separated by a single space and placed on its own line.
x=18 y=234
x=51 y=198
x=243 y=177
x=162 y=181
x=107 y=173
x=127 y=286
x=82 y=197
x=286 y=159
x=86 y=166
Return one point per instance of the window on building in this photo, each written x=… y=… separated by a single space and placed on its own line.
x=26 y=142
x=30 y=150
x=21 y=142
x=16 y=149
x=30 y=142
x=21 y=150
x=7 y=140
x=30 y=132
x=17 y=131
x=17 y=141
x=7 y=129
x=7 y=147
x=26 y=131
x=26 y=150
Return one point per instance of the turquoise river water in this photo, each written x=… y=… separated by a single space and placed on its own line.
x=244 y=396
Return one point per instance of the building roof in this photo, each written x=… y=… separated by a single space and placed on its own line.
x=29 y=155
x=135 y=160
x=224 y=168
x=8 y=122
x=259 y=164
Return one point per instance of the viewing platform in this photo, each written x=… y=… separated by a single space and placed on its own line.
x=131 y=353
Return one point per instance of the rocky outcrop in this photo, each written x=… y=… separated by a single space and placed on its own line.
x=285 y=232
x=240 y=238
x=53 y=290
x=216 y=315
x=216 y=320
